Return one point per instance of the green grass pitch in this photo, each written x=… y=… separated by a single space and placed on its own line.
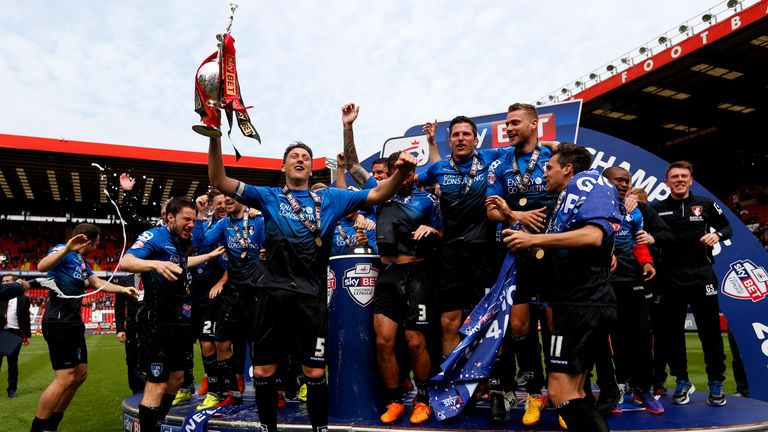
x=96 y=406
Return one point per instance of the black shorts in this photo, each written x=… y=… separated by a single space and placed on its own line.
x=578 y=331
x=234 y=318
x=464 y=272
x=289 y=322
x=204 y=321
x=403 y=295
x=164 y=348
x=532 y=273
x=66 y=346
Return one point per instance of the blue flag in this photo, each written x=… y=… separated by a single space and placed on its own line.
x=473 y=358
x=589 y=198
x=198 y=420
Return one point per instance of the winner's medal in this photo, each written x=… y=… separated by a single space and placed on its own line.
x=318 y=241
x=217 y=87
x=523 y=201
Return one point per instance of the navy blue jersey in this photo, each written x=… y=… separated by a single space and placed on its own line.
x=242 y=269
x=294 y=261
x=205 y=275
x=344 y=246
x=400 y=217
x=580 y=276
x=464 y=216
x=627 y=266
x=168 y=302
x=502 y=181
x=71 y=276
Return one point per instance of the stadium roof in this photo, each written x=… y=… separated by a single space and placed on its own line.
x=38 y=172
x=699 y=95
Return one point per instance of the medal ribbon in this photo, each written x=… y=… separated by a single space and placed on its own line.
x=313 y=228
x=230 y=93
x=344 y=236
x=472 y=171
x=559 y=202
x=244 y=242
x=523 y=181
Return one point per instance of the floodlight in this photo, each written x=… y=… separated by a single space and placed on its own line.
x=732 y=3
x=592 y=76
x=610 y=68
x=707 y=17
x=683 y=28
x=663 y=40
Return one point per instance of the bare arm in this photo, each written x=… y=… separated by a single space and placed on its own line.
x=434 y=153
x=216 y=173
x=387 y=188
x=584 y=237
x=341 y=179
x=351 y=162
x=98 y=282
x=196 y=260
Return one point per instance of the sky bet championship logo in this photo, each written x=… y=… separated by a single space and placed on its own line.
x=746 y=281
x=360 y=281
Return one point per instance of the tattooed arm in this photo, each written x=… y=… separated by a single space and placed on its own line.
x=359 y=174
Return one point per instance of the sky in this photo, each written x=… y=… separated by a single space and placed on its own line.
x=122 y=72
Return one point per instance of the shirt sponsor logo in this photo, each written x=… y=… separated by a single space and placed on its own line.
x=745 y=280
x=360 y=281
x=666 y=213
x=138 y=245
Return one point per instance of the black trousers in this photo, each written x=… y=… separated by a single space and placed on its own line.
x=13 y=364
x=701 y=295
x=136 y=375
x=631 y=339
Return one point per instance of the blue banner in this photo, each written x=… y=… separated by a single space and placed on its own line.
x=473 y=358
x=740 y=263
x=557 y=122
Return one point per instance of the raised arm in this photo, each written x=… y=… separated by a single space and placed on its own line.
x=75 y=244
x=387 y=188
x=216 y=173
x=341 y=179
x=351 y=162
x=429 y=129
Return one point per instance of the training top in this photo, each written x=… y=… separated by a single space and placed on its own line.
x=689 y=219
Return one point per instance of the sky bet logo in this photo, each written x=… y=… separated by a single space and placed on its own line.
x=360 y=281
x=547 y=130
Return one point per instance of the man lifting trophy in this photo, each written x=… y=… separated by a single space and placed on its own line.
x=217 y=87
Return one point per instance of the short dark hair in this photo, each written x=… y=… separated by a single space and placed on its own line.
x=392 y=160
x=528 y=108
x=91 y=231
x=576 y=155
x=463 y=119
x=295 y=145
x=15 y=278
x=679 y=164
x=214 y=193
x=177 y=204
x=381 y=161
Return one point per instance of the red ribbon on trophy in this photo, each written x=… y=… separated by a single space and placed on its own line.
x=217 y=87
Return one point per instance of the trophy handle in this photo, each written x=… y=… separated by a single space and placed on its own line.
x=205 y=130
